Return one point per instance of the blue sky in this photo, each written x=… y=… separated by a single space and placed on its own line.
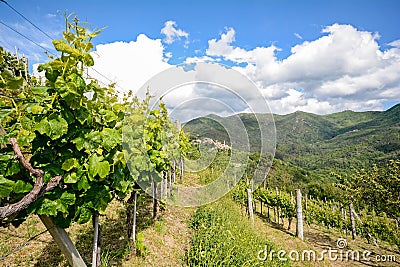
x=272 y=42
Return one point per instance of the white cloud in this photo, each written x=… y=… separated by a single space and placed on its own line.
x=298 y=36
x=190 y=60
x=295 y=100
x=129 y=64
x=167 y=56
x=223 y=48
x=51 y=15
x=172 y=33
x=259 y=56
x=395 y=43
x=343 y=69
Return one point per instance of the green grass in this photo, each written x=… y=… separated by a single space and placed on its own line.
x=223 y=237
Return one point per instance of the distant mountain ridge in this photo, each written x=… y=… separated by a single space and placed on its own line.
x=319 y=142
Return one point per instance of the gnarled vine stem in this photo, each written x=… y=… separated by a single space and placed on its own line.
x=38 y=190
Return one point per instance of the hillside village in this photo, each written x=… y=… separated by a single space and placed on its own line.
x=208 y=141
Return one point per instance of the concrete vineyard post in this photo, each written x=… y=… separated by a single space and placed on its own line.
x=250 y=205
x=63 y=241
x=352 y=221
x=299 y=212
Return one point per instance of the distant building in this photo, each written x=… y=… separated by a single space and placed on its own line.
x=216 y=144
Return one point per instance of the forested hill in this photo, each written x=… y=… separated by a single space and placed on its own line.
x=320 y=142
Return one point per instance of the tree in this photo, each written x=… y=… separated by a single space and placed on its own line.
x=377 y=188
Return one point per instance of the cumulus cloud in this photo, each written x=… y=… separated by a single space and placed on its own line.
x=343 y=69
x=172 y=33
x=223 y=48
x=129 y=64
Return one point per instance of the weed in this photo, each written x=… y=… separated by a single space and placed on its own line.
x=141 y=249
x=222 y=237
x=159 y=226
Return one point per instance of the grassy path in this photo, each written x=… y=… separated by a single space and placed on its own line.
x=167 y=240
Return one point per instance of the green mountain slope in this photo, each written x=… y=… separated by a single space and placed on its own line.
x=320 y=143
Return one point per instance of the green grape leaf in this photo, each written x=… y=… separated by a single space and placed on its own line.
x=50 y=170
x=67 y=115
x=27 y=123
x=83 y=183
x=5 y=113
x=82 y=115
x=103 y=169
x=94 y=160
x=69 y=164
x=77 y=81
x=71 y=178
x=90 y=141
x=119 y=181
x=53 y=128
x=119 y=157
x=110 y=138
x=64 y=88
x=50 y=73
x=88 y=59
x=98 y=197
x=40 y=90
x=93 y=140
x=58 y=127
x=79 y=142
x=61 y=46
x=68 y=36
x=6 y=187
x=83 y=214
x=6 y=157
x=22 y=187
x=7 y=74
x=52 y=207
x=37 y=109
x=98 y=166
x=67 y=199
x=14 y=83
x=109 y=116
x=13 y=168
x=25 y=137
x=43 y=127
x=48 y=207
